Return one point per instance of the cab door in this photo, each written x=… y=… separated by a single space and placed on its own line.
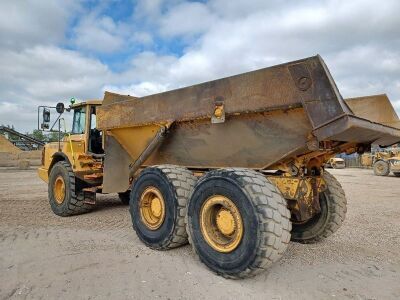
x=95 y=140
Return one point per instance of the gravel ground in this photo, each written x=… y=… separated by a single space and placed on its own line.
x=98 y=256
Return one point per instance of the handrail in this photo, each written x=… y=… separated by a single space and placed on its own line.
x=70 y=144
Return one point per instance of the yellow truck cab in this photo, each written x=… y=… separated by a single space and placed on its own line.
x=73 y=164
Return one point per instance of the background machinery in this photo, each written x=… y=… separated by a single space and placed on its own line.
x=386 y=162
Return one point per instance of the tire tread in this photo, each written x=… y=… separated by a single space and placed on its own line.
x=76 y=205
x=271 y=212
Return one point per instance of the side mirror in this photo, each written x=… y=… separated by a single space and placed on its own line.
x=60 y=107
x=46 y=115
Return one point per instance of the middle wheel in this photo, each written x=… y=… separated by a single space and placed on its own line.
x=158 y=205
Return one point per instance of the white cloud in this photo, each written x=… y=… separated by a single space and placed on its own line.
x=45 y=72
x=44 y=75
x=221 y=37
x=27 y=23
x=360 y=45
x=189 y=18
x=100 y=34
x=137 y=90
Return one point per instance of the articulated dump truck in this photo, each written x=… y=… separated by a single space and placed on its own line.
x=233 y=166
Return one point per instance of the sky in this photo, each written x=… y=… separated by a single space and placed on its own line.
x=53 y=50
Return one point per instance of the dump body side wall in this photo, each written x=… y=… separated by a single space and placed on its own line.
x=302 y=83
x=269 y=116
x=376 y=108
x=248 y=141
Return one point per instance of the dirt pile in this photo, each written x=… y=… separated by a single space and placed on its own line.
x=35 y=154
x=12 y=156
x=7 y=146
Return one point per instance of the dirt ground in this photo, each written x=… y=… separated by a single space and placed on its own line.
x=98 y=256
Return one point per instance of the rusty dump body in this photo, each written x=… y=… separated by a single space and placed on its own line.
x=285 y=117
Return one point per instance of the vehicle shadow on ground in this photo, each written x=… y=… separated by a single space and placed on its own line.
x=105 y=203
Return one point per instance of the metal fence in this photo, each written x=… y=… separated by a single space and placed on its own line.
x=354 y=162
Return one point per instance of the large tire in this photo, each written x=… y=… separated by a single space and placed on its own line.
x=174 y=184
x=264 y=220
x=73 y=201
x=125 y=197
x=381 y=168
x=333 y=212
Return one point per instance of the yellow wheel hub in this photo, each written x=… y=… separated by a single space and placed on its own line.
x=225 y=222
x=59 y=190
x=152 y=208
x=221 y=224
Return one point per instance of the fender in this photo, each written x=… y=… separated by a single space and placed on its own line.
x=58 y=156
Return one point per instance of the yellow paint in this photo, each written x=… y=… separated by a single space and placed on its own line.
x=297 y=188
x=218 y=112
x=59 y=190
x=87 y=102
x=135 y=139
x=221 y=224
x=43 y=174
x=152 y=208
x=225 y=222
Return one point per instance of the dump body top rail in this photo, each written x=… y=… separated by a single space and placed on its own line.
x=304 y=83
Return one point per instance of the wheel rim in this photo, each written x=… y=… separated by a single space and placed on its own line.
x=152 y=208
x=59 y=190
x=221 y=224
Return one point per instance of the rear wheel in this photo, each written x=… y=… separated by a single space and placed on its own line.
x=158 y=205
x=333 y=211
x=381 y=168
x=238 y=223
x=64 y=198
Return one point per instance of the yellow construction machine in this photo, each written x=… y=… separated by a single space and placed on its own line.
x=386 y=162
x=378 y=109
x=233 y=166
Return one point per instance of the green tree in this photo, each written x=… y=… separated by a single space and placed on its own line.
x=39 y=135
x=53 y=136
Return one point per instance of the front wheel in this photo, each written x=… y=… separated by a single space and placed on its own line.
x=333 y=212
x=64 y=197
x=238 y=223
x=381 y=168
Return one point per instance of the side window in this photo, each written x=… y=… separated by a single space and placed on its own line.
x=78 y=125
x=93 y=117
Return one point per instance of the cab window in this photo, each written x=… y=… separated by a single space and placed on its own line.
x=79 y=121
x=93 y=117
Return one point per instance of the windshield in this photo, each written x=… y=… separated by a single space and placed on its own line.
x=78 y=126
